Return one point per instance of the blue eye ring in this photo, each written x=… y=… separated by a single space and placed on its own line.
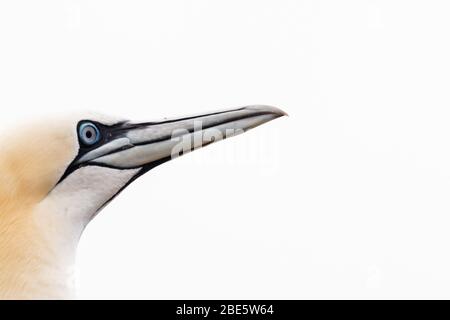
x=89 y=134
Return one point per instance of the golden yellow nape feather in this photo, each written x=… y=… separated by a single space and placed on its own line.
x=32 y=159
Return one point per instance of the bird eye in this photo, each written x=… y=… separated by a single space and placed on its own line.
x=89 y=134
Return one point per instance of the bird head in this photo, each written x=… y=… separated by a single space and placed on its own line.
x=59 y=174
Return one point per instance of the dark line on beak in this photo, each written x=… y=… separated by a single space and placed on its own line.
x=146 y=124
x=164 y=138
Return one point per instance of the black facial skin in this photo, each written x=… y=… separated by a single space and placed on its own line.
x=108 y=133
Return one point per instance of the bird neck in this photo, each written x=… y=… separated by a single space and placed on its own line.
x=36 y=256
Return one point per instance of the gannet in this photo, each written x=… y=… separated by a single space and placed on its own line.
x=55 y=176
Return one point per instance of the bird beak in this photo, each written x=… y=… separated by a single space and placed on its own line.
x=146 y=145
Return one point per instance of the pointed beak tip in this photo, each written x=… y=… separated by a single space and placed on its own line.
x=269 y=109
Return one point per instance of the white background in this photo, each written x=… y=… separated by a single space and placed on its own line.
x=346 y=198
